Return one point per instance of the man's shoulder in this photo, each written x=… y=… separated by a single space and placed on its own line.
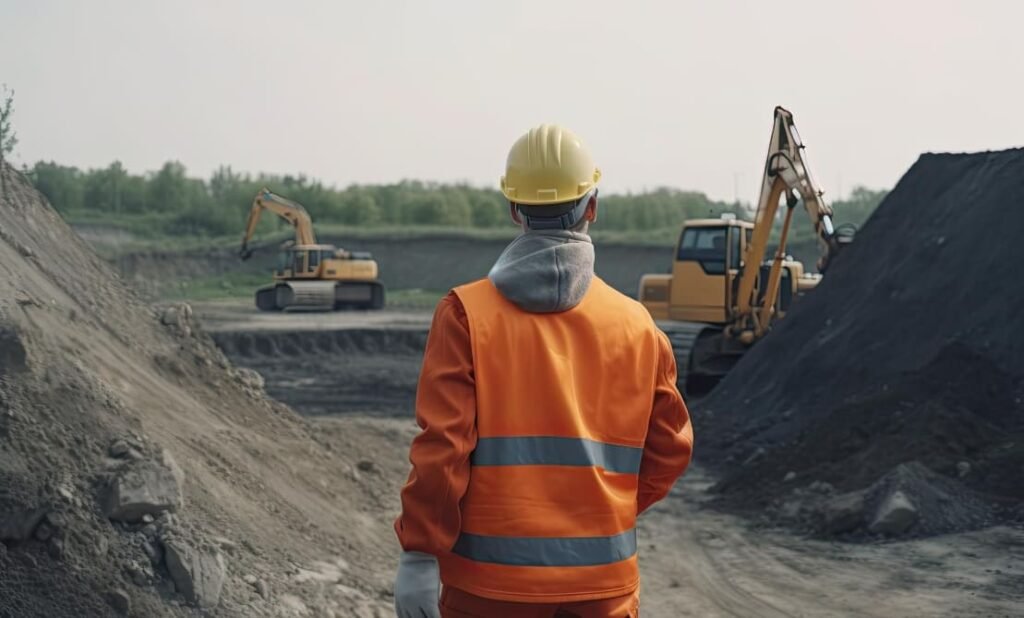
x=474 y=291
x=624 y=303
x=449 y=311
x=476 y=284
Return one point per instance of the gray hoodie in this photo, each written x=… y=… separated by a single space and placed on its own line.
x=545 y=271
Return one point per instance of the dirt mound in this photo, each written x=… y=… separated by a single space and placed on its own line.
x=141 y=473
x=907 y=350
x=908 y=501
x=943 y=505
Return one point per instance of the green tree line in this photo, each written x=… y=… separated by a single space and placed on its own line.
x=171 y=202
x=181 y=204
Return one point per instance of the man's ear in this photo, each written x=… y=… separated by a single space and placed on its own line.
x=514 y=212
x=590 y=214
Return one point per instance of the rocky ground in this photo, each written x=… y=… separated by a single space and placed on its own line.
x=142 y=474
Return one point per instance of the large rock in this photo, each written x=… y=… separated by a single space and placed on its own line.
x=843 y=513
x=198 y=574
x=179 y=318
x=19 y=525
x=250 y=379
x=894 y=515
x=120 y=601
x=13 y=357
x=147 y=487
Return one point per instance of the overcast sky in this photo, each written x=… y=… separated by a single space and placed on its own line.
x=665 y=93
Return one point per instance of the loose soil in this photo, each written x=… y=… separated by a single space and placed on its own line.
x=85 y=363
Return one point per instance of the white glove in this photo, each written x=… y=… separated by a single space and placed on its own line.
x=417 y=586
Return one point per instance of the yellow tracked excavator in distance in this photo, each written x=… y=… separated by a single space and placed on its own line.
x=722 y=295
x=311 y=275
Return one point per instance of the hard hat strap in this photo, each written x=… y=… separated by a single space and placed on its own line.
x=563 y=221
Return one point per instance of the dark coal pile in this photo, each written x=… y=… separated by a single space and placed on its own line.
x=911 y=350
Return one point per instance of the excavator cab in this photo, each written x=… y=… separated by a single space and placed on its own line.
x=286 y=264
x=702 y=280
x=708 y=260
x=298 y=262
x=295 y=262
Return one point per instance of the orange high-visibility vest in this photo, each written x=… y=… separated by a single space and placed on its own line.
x=563 y=405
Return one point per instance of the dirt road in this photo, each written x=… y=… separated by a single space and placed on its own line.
x=356 y=373
x=698 y=562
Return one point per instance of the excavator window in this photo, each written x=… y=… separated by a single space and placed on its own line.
x=706 y=245
x=314 y=260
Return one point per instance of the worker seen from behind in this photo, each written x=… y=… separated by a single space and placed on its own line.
x=550 y=419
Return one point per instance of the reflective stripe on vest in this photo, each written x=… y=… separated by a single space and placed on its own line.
x=556 y=451
x=548 y=552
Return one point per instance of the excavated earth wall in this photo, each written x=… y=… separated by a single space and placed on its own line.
x=141 y=473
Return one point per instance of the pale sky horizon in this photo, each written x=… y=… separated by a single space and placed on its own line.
x=676 y=94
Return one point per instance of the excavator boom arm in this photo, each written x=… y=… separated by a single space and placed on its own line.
x=786 y=173
x=290 y=211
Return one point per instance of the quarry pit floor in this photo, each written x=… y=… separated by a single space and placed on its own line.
x=353 y=376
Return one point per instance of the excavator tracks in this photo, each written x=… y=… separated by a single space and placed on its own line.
x=320 y=295
x=682 y=335
x=703 y=356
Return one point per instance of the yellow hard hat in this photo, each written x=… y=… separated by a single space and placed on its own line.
x=548 y=165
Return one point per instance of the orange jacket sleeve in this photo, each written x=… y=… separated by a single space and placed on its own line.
x=669 y=443
x=446 y=413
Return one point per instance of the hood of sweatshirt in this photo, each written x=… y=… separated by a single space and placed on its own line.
x=545 y=271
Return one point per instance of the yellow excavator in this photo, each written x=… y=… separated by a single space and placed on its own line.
x=311 y=275
x=722 y=295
